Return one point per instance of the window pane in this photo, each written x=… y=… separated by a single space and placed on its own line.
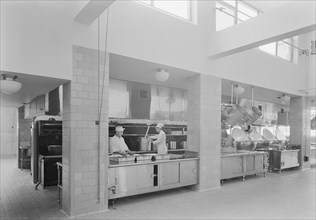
x=146 y=1
x=179 y=8
x=232 y=3
x=251 y=12
x=295 y=50
x=224 y=20
x=242 y=17
x=269 y=48
x=284 y=49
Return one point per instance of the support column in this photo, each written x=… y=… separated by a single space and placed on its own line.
x=300 y=127
x=85 y=163
x=204 y=126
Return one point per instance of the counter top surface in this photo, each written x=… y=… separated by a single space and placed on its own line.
x=242 y=153
x=295 y=150
x=149 y=161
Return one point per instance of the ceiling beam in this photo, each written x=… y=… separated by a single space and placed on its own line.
x=292 y=19
x=92 y=10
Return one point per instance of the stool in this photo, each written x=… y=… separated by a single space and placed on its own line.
x=24 y=155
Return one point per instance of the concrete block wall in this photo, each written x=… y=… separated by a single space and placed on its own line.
x=204 y=125
x=299 y=119
x=84 y=187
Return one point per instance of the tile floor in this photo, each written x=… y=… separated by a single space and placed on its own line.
x=289 y=195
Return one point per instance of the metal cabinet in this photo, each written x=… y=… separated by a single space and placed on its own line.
x=122 y=181
x=231 y=167
x=169 y=173
x=283 y=159
x=143 y=178
x=147 y=176
x=243 y=164
x=189 y=172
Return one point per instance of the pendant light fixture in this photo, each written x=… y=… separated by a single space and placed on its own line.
x=8 y=84
x=238 y=89
x=162 y=75
x=285 y=99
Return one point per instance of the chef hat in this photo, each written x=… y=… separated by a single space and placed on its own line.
x=119 y=128
x=159 y=125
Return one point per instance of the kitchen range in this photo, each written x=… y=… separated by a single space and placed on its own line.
x=46 y=150
x=249 y=148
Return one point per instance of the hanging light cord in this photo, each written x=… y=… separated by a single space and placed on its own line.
x=100 y=99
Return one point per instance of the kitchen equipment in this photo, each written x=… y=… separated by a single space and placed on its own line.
x=253 y=114
x=279 y=135
x=118 y=159
x=268 y=135
x=239 y=135
x=237 y=115
x=45 y=133
x=145 y=144
x=54 y=149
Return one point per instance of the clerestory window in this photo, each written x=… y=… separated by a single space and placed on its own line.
x=179 y=8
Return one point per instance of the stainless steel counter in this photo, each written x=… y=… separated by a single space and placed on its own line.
x=241 y=153
x=150 y=158
x=144 y=176
x=243 y=163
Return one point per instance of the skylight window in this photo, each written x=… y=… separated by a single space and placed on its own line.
x=182 y=9
x=286 y=49
x=229 y=13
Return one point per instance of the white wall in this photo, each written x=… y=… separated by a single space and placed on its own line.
x=291 y=19
x=309 y=61
x=36 y=38
x=9 y=132
x=258 y=68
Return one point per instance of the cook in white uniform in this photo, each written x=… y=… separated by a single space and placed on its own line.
x=117 y=143
x=160 y=139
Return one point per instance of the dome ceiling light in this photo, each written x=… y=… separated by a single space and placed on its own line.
x=162 y=75
x=284 y=99
x=8 y=84
x=238 y=89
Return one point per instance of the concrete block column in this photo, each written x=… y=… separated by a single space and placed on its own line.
x=85 y=161
x=299 y=118
x=204 y=126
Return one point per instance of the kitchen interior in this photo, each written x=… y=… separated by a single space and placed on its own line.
x=255 y=132
x=255 y=135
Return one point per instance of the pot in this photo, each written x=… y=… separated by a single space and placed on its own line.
x=145 y=144
x=253 y=114
x=237 y=115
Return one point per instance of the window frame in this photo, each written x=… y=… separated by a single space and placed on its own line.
x=236 y=10
x=189 y=10
x=237 y=20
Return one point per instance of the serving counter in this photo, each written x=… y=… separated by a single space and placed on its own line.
x=282 y=159
x=151 y=172
x=243 y=163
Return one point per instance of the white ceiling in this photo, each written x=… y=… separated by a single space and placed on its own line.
x=260 y=94
x=32 y=86
x=131 y=69
x=128 y=69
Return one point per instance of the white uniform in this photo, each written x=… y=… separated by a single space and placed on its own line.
x=161 y=143
x=118 y=144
